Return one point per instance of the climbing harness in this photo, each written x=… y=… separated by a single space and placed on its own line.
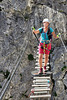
x=45 y=47
x=47 y=41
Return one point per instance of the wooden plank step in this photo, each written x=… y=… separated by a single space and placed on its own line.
x=46 y=78
x=42 y=60
x=35 y=73
x=45 y=89
x=41 y=96
x=40 y=92
x=46 y=85
x=42 y=63
x=43 y=77
x=41 y=81
x=38 y=59
x=42 y=67
x=41 y=88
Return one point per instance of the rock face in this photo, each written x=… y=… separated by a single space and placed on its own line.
x=65 y=80
x=59 y=69
x=16 y=20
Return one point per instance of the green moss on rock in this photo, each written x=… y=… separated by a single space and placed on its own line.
x=64 y=67
x=30 y=57
x=54 y=93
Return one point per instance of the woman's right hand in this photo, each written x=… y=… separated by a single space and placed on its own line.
x=33 y=31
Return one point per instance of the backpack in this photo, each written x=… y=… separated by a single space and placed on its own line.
x=48 y=33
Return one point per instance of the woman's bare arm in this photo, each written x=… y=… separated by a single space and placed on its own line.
x=36 y=31
x=54 y=35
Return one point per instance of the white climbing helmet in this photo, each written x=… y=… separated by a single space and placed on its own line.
x=46 y=20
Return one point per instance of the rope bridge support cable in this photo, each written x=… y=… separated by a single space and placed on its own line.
x=12 y=74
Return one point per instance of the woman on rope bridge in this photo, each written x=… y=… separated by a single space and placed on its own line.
x=45 y=42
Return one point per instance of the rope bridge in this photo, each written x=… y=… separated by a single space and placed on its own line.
x=42 y=85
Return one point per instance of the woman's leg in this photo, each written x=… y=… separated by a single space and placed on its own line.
x=48 y=46
x=40 y=63
x=46 y=59
x=40 y=60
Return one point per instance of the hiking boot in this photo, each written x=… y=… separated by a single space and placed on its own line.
x=45 y=69
x=41 y=71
